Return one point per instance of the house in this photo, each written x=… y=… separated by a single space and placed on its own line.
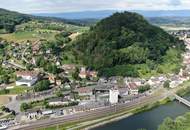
x=52 y=79
x=137 y=81
x=92 y=74
x=175 y=81
x=84 y=91
x=33 y=113
x=68 y=67
x=58 y=82
x=87 y=73
x=123 y=91
x=133 y=88
x=28 y=78
x=58 y=101
x=156 y=81
x=83 y=73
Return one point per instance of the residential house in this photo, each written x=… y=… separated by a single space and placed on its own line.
x=123 y=91
x=68 y=67
x=84 y=91
x=58 y=82
x=133 y=88
x=28 y=78
x=52 y=78
x=175 y=81
x=33 y=113
x=83 y=73
x=137 y=81
x=87 y=73
x=156 y=81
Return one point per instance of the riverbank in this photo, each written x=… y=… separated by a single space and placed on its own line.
x=127 y=114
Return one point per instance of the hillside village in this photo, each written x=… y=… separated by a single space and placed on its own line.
x=63 y=89
x=42 y=78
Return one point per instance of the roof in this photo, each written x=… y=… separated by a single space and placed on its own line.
x=27 y=73
x=60 y=99
x=132 y=86
x=84 y=90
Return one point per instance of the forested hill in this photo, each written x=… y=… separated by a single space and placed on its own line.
x=126 y=44
x=9 y=19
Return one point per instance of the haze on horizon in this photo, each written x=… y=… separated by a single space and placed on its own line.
x=56 y=6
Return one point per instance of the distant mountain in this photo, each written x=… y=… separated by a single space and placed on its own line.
x=80 y=15
x=105 y=13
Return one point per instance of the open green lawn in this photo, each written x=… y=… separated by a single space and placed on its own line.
x=19 y=90
x=15 y=90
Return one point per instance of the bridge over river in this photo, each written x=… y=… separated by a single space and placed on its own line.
x=182 y=100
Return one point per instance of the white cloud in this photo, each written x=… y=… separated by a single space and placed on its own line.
x=38 y=6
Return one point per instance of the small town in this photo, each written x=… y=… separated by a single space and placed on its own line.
x=76 y=89
x=91 y=65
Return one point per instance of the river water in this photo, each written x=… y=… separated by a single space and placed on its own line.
x=149 y=120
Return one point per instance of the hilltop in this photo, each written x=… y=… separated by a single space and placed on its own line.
x=126 y=44
x=9 y=19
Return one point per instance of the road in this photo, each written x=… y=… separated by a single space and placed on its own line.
x=89 y=115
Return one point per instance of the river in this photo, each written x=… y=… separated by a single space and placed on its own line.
x=150 y=120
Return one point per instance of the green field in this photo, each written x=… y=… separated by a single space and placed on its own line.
x=24 y=36
x=36 y=30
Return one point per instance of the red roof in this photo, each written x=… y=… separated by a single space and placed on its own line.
x=132 y=86
x=27 y=73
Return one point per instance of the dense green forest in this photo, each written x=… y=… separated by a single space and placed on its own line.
x=126 y=44
x=180 y=123
x=8 y=20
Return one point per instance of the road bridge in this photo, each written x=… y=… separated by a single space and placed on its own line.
x=182 y=100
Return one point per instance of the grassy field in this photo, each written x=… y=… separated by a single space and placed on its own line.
x=16 y=90
x=35 y=30
x=24 y=36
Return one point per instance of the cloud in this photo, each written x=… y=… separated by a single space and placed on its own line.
x=175 y=2
x=52 y=6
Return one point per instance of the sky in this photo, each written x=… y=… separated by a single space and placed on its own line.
x=56 y=6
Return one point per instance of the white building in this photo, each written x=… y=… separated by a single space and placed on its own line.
x=113 y=96
x=28 y=78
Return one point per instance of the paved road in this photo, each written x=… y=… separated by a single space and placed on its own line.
x=91 y=114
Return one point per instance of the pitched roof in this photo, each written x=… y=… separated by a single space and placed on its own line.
x=132 y=86
x=84 y=90
x=27 y=73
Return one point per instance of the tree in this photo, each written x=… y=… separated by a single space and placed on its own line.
x=59 y=94
x=166 y=84
x=75 y=75
x=127 y=39
x=168 y=124
x=25 y=106
x=143 y=89
x=42 y=85
x=51 y=68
